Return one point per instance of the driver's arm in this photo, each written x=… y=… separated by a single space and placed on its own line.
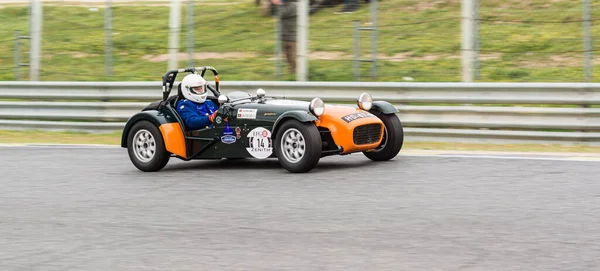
x=193 y=119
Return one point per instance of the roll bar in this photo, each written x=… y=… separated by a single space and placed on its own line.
x=168 y=78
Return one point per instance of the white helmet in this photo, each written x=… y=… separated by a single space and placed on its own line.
x=193 y=87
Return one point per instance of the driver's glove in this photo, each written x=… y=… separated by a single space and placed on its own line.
x=212 y=117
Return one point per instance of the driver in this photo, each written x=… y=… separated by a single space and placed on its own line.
x=196 y=111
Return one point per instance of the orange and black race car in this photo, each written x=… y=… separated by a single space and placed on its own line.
x=297 y=133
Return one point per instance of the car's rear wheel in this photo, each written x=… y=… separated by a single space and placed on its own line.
x=393 y=138
x=298 y=146
x=146 y=147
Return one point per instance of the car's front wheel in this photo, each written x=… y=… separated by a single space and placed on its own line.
x=298 y=146
x=393 y=138
x=146 y=147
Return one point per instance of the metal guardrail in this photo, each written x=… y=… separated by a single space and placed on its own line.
x=413 y=116
x=105 y=106
x=489 y=93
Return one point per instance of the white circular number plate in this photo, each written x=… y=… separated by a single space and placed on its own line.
x=260 y=143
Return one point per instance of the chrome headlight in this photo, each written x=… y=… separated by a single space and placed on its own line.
x=365 y=101
x=316 y=107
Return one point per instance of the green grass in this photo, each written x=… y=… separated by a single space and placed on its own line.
x=18 y=137
x=425 y=35
x=34 y=136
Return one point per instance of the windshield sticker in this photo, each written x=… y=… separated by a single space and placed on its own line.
x=246 y=113
x=228 y=136
x=355 y=116
x=260 y=145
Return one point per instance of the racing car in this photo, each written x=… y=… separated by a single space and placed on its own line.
x=297 y=133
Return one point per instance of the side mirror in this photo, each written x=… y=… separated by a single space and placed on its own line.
x=222 y=99
x=260 y=93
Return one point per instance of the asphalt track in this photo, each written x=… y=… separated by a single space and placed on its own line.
x=64 y=208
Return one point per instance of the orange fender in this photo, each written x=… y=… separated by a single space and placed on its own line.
x=173 y=138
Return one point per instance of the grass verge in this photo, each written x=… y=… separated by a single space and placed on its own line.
x=17 y=137
x=521 y=41
x=34 y=136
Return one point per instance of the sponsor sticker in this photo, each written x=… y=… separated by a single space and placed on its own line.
x=355 y=116
x=270 y=114
x=228 y=136
x=238 y=132
x=246 y=113
x=260 y=145
x=218 y=120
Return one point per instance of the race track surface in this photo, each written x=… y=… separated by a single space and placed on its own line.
x=67 y=208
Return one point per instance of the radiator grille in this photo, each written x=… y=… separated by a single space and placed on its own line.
x=367 y=134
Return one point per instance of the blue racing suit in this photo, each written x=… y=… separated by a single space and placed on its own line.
x=195 y=115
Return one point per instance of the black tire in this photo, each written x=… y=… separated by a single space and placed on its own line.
x=392 y=141
x=312 y=146
x=158 y=159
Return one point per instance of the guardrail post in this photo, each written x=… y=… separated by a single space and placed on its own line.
x=190 y=32
x=174 y=30
x=278 y=66
x=36 y=40
x=302 y=41
x=17 y=55
x=18 y=63
x=374 y=39
x=356 y=48
x=467 y=40
x=356 y=53
x=108 y=36
x=476 y=39
x=587 y=40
